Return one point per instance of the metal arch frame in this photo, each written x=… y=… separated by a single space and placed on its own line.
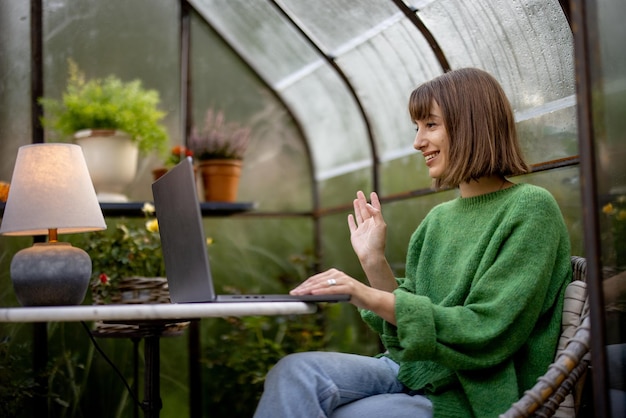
x=584 y=27
x=567 y=11
x=37 y=76
x=185 y=60
x=186 y=81
x=575 y=12
x=411 y=14
x=330 y=60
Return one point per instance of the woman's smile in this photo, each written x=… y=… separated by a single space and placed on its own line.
x=429 y=156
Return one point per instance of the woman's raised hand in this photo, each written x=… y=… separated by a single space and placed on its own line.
x=368 y=229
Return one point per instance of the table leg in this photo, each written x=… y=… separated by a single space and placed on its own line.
x=40 y=361
x=135 y=387
x=152 y=403
x=195 y=376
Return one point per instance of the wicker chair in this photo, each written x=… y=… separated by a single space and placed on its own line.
x=557 y=393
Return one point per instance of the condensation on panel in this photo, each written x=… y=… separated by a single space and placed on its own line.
x=262 y=36
x=334 y=127
x=526 y=44
x=384 y=71
x=335 y=24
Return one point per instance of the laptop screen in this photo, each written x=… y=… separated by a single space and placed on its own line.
x=182 y=235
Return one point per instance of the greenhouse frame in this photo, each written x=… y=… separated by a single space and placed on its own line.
x=323 y=88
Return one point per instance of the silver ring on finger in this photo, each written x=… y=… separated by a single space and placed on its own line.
x=331 y=282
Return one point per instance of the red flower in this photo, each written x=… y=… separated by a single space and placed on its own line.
x=104 y=279
x=177 y=153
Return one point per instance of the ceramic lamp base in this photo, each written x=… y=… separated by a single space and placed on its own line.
x=51 y=274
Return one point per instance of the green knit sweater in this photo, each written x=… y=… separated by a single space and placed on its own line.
x=479 y=312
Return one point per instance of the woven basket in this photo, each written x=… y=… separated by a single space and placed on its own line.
x=136 y=290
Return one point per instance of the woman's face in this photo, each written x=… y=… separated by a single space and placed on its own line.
x=433 y=142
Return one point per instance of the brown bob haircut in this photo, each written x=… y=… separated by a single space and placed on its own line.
x=480 y=124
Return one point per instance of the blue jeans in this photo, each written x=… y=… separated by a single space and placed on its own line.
x=338 y=385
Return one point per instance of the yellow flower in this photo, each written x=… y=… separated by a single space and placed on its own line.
x=621 y=215
x=209 y=241
x=608 y=209
x=152 y=225
x=148 y=208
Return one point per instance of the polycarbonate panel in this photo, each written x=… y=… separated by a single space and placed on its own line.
x=525 y=44
x=341 y=190
x=609 y=128
x=277 y=150
x=261 y=35
x=332 y=124
x=15 y=126
x=384 y=70
x=383 y=55
x=549 y=137
x=404 y=174
x=609 y=125
x=131 y=40
x=334 y=24
x=314 y=93
x=259 y=255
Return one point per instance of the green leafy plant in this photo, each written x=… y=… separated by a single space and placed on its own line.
x=244 y=351
x=17 y=384
x=107 y=103
x=219 y=139
x=131 y=249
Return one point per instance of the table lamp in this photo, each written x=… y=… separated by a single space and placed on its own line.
x=51 y=193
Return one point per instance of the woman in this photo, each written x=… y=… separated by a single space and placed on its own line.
x=477 y=318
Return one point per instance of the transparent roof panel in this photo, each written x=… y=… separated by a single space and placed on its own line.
x=550 y=137
x=313 y=91
x=257 y=31
x=508 y=38
x=384 y=70
x=360 y=124
x=333 y=24
x=332 y=123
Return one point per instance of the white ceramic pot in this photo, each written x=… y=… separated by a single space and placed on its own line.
x=111 y=158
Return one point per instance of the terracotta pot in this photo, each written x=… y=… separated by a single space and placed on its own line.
x=158 y=172
x=220 y=179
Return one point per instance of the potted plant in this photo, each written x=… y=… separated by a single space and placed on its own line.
x=176 y=155
x=104 y=115
x=219 y=149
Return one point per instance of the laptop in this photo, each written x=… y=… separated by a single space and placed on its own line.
x=184 y=244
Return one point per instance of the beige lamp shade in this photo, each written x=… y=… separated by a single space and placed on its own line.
x=51 y=189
